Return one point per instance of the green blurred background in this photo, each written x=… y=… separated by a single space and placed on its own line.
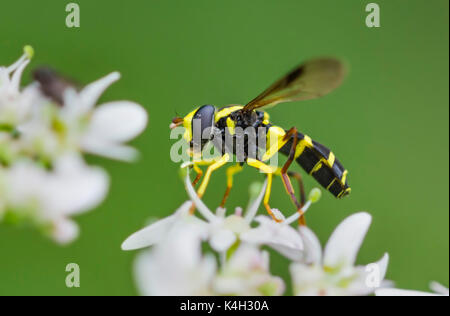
x=388 y=123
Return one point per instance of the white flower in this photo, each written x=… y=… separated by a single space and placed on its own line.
x=247 y=273
x=14 y=105
x=80 y=125
x=279 y=236
x=223 y=231
x=43 y=178
x=49 y=197
x=176 y=266
x=437 y=288
x=109 y=125
x=33 y=125
x=334 y=273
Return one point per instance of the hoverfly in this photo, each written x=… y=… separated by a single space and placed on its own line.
x=310 y=80
x=52 y=84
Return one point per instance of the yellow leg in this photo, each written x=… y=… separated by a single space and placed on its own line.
x=270 y=171
x=199 y=171
x=231 y=171
x=213 y=165
x=216 y=165
x=279 y=138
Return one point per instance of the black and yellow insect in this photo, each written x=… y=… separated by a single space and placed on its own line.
x=310 y=80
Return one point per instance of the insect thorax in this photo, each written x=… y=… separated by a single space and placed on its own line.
x=241 y=133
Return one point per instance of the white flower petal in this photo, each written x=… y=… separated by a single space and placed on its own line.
x=109 y=150
x=64 y=231
x=308 y=280
x=90 y=94
x=4 y=77
x=143 y=273
x=149 y=235
x=288 y=252
x=77 y=188
x=345 y=242
x=70 y=188
x=157 y=231
x=279 y=236
x=312 y=247
x=222 y=239
x=278 y=215
x=253 y=209
x=202 y=208
x=220 y=212
x=246 y=258
x=383 y=265
x=399 y=292
x=439 y=288
x=15 y=65
x=175 y=266
x=118 y=121
x=15 y=79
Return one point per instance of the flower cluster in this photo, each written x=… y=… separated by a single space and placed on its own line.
x=237 y=264
x=44 y=178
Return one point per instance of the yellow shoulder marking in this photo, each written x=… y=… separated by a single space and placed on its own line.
x=226 y=111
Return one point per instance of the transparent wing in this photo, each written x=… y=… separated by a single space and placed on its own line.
x=310 y=80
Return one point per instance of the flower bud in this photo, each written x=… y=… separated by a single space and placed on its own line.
x=315 y=195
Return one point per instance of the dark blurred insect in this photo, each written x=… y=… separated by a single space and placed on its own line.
x=310 y=80
x=52 y=84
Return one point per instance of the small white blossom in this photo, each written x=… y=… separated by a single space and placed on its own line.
x=247 y=273
x=108 y=125
x=333 y=272
x=223 y=231
x=80 y=125
x=14 y=105
x=176 y=266
x=31 y=124
x=437 y=288
x=48 y=198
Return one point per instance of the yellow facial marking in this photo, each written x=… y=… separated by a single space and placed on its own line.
x=187 y=124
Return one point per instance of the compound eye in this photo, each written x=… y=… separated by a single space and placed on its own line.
x=202 y=123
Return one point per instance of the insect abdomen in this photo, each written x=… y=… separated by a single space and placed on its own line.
x=318 y=161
